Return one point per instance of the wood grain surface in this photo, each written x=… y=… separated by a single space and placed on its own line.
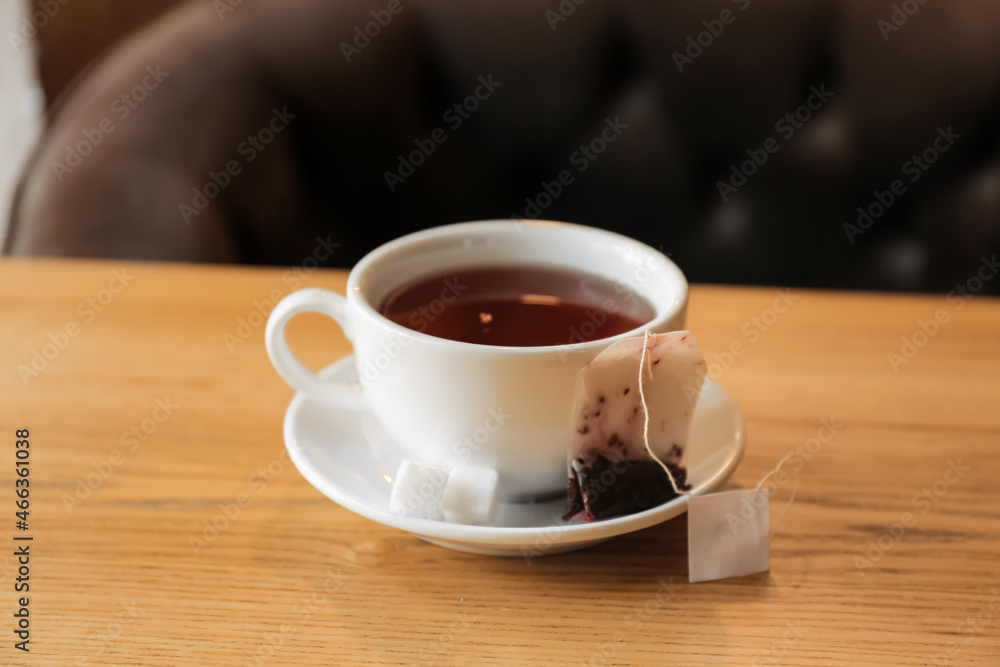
x=162 y=414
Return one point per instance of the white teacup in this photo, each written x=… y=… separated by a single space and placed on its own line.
x=446 y=402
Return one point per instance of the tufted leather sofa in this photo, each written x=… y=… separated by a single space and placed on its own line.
x=804 y=142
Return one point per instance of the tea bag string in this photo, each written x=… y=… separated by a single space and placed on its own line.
x=666 y=469
x=791 y=497
x=645 y=412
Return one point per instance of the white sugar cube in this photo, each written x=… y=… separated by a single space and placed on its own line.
x=471 y=495
x=417 y=491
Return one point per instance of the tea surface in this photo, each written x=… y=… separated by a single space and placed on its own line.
x=517 y=306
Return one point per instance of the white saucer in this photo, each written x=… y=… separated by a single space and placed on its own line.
x=343 y=454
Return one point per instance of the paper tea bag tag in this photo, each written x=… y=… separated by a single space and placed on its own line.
x=729 y=534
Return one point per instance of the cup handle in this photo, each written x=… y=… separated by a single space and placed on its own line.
x=287 y=364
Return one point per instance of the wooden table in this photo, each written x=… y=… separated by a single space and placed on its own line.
x=158 y=414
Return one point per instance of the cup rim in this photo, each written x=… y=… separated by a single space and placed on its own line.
x=370 y=311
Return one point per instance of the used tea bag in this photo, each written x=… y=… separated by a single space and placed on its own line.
x=612 y=469
x=627 y=454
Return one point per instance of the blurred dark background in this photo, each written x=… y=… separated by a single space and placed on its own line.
x=740 y=136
